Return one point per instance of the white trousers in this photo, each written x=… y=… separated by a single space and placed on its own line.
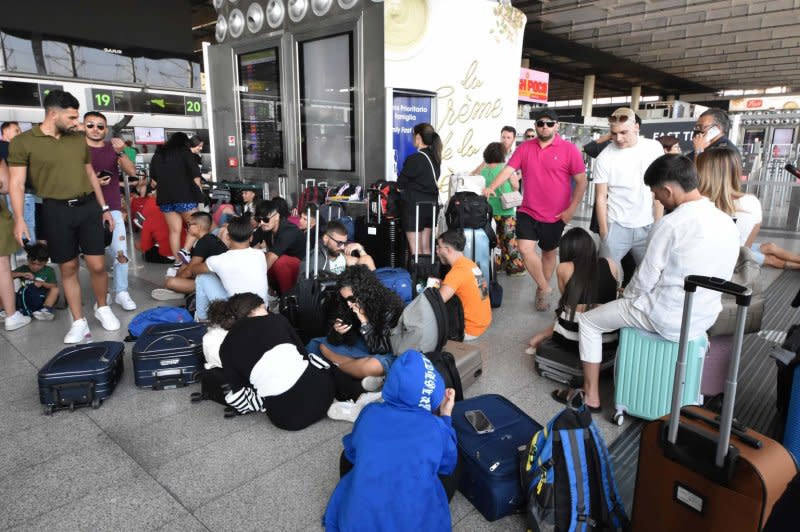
x=606 y=318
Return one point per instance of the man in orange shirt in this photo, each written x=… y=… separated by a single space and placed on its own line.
x=466 y=281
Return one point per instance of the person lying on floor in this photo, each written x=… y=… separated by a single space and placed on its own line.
x=584 y=281
x=269 y=370
x=397 y=449
x=359 y=338
x=695 y=238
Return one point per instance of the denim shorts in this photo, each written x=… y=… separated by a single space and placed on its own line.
x=177 y=207
x=357 y=350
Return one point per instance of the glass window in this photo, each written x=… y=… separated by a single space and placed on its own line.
x=18 y=54
x=93 y=63
x=57 y=58
x=167 y=73
x=260 y=109
x=327 y=134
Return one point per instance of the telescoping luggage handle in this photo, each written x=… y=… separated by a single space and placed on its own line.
x=433 y=205
x=743 y=296
x=308 y=243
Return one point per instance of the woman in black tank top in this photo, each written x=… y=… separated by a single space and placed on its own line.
x=585 y=281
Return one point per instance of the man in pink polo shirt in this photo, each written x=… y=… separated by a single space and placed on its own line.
x=549 y=165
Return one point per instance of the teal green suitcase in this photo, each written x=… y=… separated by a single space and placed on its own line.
x=645 y=370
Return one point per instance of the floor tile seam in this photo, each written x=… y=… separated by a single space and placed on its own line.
x=14 y=347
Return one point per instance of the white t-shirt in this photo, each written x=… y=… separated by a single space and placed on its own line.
x=241 y=270
x=630 y=202
x=212 y=341
x=748 y=215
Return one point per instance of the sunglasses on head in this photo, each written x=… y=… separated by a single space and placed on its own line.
x=92 y=125
x=542 y=123
x=618 y=118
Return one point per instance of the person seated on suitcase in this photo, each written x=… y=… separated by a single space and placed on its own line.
x=238 y=270
x=40 y=280
x=409 y=438
x=465 y=280
x=585 y=281
x=286 y=245
x=207 y=245
x=269 y=370
x=336 y=253
x=359 y=339
x=695 y=238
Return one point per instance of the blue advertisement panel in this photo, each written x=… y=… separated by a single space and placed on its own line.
x=408 y=110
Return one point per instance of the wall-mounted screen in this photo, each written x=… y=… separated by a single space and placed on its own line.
x=260 y=109
x=148 y=135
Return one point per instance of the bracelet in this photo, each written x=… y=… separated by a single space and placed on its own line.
x=105 y=208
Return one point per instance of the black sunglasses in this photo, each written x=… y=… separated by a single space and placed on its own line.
x=618 y=118
x=92 y=125
x=262 y=219
x=542 y=123
x=530 y=136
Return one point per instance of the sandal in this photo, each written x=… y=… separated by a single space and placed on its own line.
x=530 y=350
x=542 y=300
x=564 y=395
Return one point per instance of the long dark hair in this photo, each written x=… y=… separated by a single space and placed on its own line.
x=577 y=247
x=431 y=139
x=176 y=143
x=376 y=300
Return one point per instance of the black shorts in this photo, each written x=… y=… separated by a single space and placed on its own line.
x=408 y=213
x=73 y=230
x=547 y=234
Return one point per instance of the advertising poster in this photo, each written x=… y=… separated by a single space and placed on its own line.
x=533 y=85
x=408 y=109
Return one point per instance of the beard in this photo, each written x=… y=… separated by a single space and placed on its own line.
x=63 y=129
x=545 y=137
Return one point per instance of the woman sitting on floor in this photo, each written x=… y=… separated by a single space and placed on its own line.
x=269 y=370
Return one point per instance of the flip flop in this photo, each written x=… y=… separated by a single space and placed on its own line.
x=562 y=396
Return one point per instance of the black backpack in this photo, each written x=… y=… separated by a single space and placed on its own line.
x=455 y=319
x=445 y=364
x=469 y=211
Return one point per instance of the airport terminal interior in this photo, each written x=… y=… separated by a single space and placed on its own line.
x=291 y=96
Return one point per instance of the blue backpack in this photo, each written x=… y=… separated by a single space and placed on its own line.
x=154 y=315
x=398 y=280
x=30 y=298
x=567 y=476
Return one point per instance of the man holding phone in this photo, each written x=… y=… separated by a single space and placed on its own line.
x=107 y=158
x=711 y=132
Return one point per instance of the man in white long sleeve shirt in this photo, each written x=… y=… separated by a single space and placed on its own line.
x=696 y=238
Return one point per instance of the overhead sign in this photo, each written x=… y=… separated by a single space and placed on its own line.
x=765 y=103
x=24 y=93
x=138 y=102
x=680 y=129
x=533 y=85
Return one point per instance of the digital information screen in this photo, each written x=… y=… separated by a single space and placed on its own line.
x=148 y=135
x=24 y=94
x=139 y=102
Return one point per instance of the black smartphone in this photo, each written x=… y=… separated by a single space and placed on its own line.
x=104 y=176
x=479 y=421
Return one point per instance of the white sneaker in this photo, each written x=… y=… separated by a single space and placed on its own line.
x=172 y=271
x=372 y=384
x=106 y=318
x=344 y=411
x=44 y=315
x=78 y=332
x=165 y=294
x=369 y=397
x=123 y=299
x=16 y=321
x=2 y=316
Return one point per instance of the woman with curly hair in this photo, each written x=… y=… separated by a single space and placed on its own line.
x=359 y=339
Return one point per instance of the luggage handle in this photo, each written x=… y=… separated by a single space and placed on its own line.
x=743 y=296
x=434 y=206
x=371 y=192
x=168 y=377
x=188 y=343
x=308 y=244
x=56 y=389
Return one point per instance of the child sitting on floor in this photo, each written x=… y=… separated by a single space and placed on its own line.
x=39 y=291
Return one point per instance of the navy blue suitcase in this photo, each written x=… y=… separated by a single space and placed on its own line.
x=81 y=375
x=490 y=462
x=168 y=355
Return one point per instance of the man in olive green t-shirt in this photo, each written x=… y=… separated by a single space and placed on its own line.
x=73 y=207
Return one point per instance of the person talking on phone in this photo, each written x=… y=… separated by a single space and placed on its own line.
x=107 y=159
x=711 y=132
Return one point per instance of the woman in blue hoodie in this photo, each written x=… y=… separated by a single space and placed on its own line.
x=398 y=448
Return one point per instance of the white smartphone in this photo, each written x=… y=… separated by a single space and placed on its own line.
x=479 y=421
x=711 y=133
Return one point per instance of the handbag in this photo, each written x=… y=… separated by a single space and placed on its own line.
x=511 y=200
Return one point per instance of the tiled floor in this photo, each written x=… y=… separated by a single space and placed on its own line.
x=150 y=460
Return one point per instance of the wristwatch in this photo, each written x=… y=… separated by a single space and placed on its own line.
x=105 y=208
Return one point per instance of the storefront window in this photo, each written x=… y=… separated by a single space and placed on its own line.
x=260 y=109
x=17 y=54
x=327 y=134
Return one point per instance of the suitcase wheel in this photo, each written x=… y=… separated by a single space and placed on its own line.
x=618 y=418
x=196 y=397
x=96 y=403
x=47 y=410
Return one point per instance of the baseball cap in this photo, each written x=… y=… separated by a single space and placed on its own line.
x=545 y=112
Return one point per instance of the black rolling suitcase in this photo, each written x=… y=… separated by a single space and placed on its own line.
x=422 y=267
x=81 y=375
x=168 y=355
x=213 y=386
x=382 y=237
x=562 y=364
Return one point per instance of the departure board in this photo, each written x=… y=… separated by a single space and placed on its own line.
x=122 y=101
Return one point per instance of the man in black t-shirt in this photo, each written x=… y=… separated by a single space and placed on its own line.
x=286 y=246
x=207 y=245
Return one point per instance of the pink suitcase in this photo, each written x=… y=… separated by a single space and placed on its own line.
x=715 y=366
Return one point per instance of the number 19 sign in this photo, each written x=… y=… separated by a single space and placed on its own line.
x=533 y=85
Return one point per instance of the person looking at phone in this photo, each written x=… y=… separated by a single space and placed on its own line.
x=711 y=132
x=336 y=253
x=107 y=159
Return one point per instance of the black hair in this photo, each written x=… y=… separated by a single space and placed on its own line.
x=637 y=119
x=376 y=300
x=98 y=114
x=203 y=218
x=239 y=229
x=195 y=141
x=38 y=252
x=720 y=117
x=494 y=153
x=510 y=129
x=282 y=206
x=577 y=247
x=667 y=141
x=176 y=142
x=264 y=208
x=431 y=139
x=454 y=238
x=313 y=207
x=336 y=227
x=530 y=130
x=6 y=125
x=58 y=99
x=672 y=168
x=226 y=312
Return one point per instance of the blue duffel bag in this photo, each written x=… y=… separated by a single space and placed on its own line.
x=397 y=280
x=156 y=315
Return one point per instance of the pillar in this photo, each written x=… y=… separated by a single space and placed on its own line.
x=588 y=95
x=636 y=94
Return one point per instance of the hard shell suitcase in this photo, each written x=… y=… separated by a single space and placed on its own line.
x=424 y=266
x=561 y=364
x=643 y=374
x=478 y=251
x=490 y=478
x=382 y=237
x=168 y=355
x=468 y=361
x=81 y=375
x=698 y=472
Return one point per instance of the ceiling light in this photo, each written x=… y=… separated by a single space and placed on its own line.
x=236 y=23
x=347 y=4
x=275 y=13
x=222 y=28
x=255 y=17
x=218 y=4
x=320 y=7
x=297 y=9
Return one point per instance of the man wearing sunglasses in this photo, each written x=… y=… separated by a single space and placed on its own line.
x=336 y=253
x=107 y=159
x=625 y=206
x=549 y=166
x=286 y=246
x=73 y=207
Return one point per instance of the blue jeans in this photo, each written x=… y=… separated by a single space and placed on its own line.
x=208 y=288
x=357 y=350
x=28 y=214
x=620 y=240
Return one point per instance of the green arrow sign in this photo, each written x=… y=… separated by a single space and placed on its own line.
x=159 y=102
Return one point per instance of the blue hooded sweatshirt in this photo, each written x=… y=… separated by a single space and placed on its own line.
x=398 y=449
